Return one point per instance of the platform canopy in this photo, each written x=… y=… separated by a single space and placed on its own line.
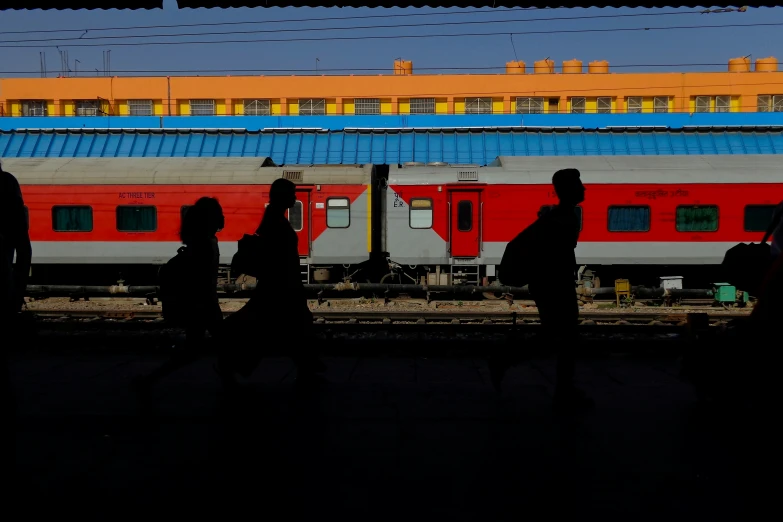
x=225 y=4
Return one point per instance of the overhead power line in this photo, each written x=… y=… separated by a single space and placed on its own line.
x=354 y=28
x=397 y=37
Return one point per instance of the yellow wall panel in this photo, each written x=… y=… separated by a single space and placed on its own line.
x=349 y=106
x=459 y=106
x=220 y=107
x=52 y=109
x=735 y=104
x=404 y=106
x=68 y=108
x=122 y=107
x=276 y=108
x=386 y=106
x=239 y=108
x=331 y=107
x=16 y=108
x=157 y=107
x=497 y=106
x=293 y=108
x=184 y=107
x=591 y=105
x=441 y=106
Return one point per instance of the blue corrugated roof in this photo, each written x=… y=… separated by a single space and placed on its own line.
x=385 y=147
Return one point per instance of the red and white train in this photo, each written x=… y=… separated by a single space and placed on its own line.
x=94 y=220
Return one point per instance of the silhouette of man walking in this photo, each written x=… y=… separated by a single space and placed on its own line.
x=554 y=284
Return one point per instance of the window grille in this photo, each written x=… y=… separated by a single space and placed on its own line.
x=770 y=103
x=634 y=105
x=604 y=105
x=577 y=105
x=530 y=105
x=366 y=106
x=422 y=106
x=661 y=104
x=723 y=104
x=202 y=107
x=703 y=103
x=88 y=107
x=478 y=105
x=258 y=108
x=34 y=108
x=140 y=107
x=312 y=107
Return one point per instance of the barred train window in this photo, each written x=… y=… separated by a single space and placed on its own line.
x=338 y=213
x=72 y=218
x=577 y=212
x=629 y=219
x=295 y=216
x=420 y=213
x=696 y=219
x=137 y=218
x=758 y=217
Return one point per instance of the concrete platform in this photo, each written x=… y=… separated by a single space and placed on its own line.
x=385 y=439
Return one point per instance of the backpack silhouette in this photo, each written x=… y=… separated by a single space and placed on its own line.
x=517 y=266
x=174 y=289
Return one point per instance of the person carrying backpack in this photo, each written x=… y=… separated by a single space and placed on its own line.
x=189 y=283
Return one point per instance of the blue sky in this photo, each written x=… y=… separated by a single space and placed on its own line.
x=692 y=46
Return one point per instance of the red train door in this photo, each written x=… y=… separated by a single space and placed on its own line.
x=465 y=222
x=299 y=216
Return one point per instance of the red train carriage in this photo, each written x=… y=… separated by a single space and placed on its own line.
x=643 y=217
x=97 y=219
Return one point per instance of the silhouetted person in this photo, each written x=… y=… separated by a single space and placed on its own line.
x=554 y=283
x=200 y=224
x=278 y=306
x=14 y=240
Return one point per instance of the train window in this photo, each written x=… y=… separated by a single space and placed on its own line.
x=629 y=219
x=697 y=219
x=465 y=216
x=72 y=218
x=577 y=211
x=137 y=218
x=420 y=213
x=758 y=217
x=338 y=212
x=295 y=216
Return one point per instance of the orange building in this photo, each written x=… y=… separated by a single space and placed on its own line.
x=521 y=90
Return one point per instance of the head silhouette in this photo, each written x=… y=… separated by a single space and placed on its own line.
x=203 y=220
x=282 y=194
x=568 y=186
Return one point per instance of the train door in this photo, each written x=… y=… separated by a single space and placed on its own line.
x=299 y=216
x=465 y=222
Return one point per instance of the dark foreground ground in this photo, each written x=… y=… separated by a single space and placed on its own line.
x=398 y=438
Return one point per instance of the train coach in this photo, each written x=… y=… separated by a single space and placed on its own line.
x=644 y=217
x=97 y=220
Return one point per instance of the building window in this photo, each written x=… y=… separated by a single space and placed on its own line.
x=713 y=104
x=530 y=105
x=421 y=213
x=295 y=216
x=465 y=216
x=202 y=107
x=366 y=106
x=312 y=107
x=137 y=218
x=758 y=217
x=696 y=219
x=577 y=212
x=422 y=106
x=603 y=105
x=88 y=107
x=629 y=219
x=34 y=108
x=338 y=213
x=770 y=103
x=723 y=104
x=661 y=104
x=633 y=105
x=72 y=218
x=478 y=105
x=140 y=108
x=257 y=108
x=578 y=105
